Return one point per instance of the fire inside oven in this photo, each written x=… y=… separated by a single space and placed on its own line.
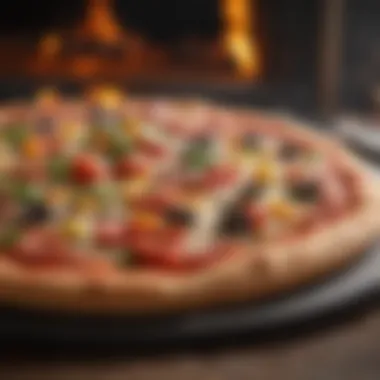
x=236 y=40
x=275 y=52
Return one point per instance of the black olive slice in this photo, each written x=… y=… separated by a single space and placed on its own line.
x=305 y=191
x=179 y=216
x=235 y=222
x=35 y=213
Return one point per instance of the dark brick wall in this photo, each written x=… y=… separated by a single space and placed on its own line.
x=361 y=58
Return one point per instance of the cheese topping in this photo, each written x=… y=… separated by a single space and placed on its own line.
x=100 y=168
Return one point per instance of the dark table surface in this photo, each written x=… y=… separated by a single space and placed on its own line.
x=347 y=347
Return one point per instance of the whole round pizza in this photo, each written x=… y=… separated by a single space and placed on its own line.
x=111 y=203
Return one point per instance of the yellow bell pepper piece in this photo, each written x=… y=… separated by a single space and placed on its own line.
x=33 y=148
x=77 y=228
x=282 y=209
x=265 y=171
x=107 y=97
x=132 y=189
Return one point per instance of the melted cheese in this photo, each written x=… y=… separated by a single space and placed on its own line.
x=209 y=213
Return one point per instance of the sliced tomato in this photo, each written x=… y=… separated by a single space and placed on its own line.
x=129 y=167
x=87 y=169
x=41 y=247
x=165 y=250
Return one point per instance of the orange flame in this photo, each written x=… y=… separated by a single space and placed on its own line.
x=238 y=37
x=100 y=22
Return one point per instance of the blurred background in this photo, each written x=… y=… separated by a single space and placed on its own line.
x=316 y=55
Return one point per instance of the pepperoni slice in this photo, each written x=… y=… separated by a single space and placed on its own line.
x=87 y=169
x=165 y=250
x=41 y=247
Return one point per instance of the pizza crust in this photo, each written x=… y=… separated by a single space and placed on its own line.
x=247 y=275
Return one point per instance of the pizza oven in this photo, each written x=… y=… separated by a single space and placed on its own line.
x=318 y=55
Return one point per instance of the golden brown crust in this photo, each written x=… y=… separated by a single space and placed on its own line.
x=248 y=275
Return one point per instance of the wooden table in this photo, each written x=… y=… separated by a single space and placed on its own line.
x=346 y=349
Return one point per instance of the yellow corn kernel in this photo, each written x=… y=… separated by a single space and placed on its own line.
x=146 y=220
x=107 y=97
x=282 y=209
x=76 y=228
x=33 y=148
x=265 y=171
x=132 y=189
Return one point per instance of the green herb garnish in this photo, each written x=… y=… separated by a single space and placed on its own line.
x=26 y=193
x=119 y=146
x=15 y=134
x=58 y=168
x=197 y=159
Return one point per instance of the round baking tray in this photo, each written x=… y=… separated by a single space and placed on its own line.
x=355 y=283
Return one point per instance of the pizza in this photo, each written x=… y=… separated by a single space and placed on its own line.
x=113 y=203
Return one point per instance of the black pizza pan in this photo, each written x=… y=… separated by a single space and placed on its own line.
x=356 y=283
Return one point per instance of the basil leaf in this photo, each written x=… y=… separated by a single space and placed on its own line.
x=58 y=168
x=119 y=146
x=15 y=134
x=26 y=193
x=197 y=159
